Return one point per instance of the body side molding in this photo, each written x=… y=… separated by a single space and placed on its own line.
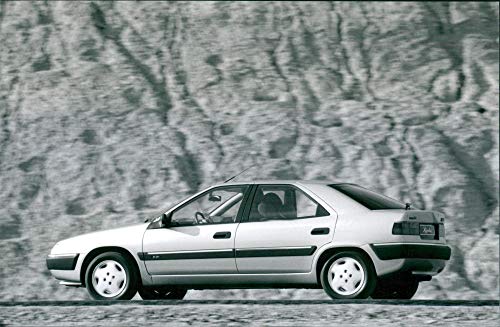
x=229 y=253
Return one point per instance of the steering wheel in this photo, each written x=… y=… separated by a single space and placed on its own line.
x=199 y=216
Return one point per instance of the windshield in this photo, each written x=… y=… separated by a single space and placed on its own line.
x=367 y=198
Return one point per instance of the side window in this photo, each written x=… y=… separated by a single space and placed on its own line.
x=307 y=207
x=216 y=206
x=282 y=202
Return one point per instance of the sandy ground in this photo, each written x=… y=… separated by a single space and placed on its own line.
x=250 y=314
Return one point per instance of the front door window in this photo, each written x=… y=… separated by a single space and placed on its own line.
x=216 y=206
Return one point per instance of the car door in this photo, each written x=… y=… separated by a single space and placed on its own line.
x=283 y=229
x=200 y=239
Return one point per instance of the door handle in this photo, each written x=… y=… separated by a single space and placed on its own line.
x=222 y=235
x=320 y=231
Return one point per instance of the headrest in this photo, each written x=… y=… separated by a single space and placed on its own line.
x=272 y=199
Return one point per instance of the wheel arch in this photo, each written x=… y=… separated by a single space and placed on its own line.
x=97 y=251
x=328 y=253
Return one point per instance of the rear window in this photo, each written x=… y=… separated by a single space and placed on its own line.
x=369 y=199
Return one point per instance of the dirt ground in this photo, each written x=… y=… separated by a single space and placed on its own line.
x=250 y=314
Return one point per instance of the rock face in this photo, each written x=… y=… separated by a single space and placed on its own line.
x=111 y=111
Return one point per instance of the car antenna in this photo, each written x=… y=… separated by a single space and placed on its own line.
x=238 y=174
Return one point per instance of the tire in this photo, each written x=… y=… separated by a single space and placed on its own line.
x=161 y=293
x=111 y=276
x=348 y=275
x=396 y=288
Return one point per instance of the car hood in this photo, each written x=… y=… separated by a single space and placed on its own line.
x=127 y=237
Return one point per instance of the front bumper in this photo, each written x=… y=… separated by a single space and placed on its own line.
x=62 y=261
x=391 y=251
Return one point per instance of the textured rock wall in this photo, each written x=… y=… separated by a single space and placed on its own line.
x=111 y=111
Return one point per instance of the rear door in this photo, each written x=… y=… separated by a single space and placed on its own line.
x=282 y=230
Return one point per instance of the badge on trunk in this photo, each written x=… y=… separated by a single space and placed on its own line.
x=427 y=231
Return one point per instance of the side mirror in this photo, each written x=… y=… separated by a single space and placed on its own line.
x=214 y=198
x=166 y=220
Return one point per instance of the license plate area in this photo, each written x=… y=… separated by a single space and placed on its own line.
x=429 y=231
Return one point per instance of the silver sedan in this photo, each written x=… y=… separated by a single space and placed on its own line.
x=350 y=241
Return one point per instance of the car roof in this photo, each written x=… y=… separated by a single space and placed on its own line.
x=281 y=181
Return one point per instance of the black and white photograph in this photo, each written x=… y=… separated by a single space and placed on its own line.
x=249 y=163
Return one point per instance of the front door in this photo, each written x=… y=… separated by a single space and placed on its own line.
x=201 y=237
x=284 y=228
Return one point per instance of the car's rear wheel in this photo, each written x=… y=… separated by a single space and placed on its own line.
x=396 y=288
x=110 y=276
x=161 y=293
x=348 y=275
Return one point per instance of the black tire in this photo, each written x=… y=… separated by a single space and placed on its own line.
x=127 y=289
x=161 y=293
x=402 y=288
x=366 y=269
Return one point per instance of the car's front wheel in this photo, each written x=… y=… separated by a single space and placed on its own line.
x=348 y=275
x=110 y=276
x=161 y=293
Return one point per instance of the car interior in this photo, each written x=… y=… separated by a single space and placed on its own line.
x=274 y=204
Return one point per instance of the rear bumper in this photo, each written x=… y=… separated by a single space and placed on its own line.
x=62 y=261
x=391 y=251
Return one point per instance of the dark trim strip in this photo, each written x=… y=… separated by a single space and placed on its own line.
x=185 y=255
x=248 y=204
x=221 y=254
x=275 y=252
x=62 y=262
x=411 y=251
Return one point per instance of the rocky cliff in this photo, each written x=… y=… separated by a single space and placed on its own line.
x=111 y=111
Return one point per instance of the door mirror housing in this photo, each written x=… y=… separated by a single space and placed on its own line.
x=166 y=220
x=214 y=198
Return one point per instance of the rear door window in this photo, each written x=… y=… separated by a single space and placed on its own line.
x=283 y=202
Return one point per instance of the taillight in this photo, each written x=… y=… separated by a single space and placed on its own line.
x=413 y=228
x=405 y=228
x=441 y=230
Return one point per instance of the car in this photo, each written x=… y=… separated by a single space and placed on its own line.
x=352 y=242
